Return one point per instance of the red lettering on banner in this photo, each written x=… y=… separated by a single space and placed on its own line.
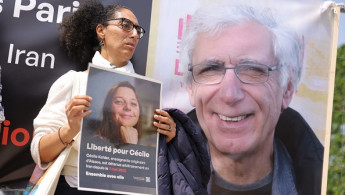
x=177 y=65
x=179 y=38
x=5 y=132
x=14 y=135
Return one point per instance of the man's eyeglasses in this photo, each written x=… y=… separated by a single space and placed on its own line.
x=128 y=25
x=250 y=73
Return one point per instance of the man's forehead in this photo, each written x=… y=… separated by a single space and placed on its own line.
x=234 y=43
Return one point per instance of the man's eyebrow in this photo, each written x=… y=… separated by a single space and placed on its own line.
x=248 y=60
x=212 y=62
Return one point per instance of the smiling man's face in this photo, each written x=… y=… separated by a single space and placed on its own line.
x=238 y=118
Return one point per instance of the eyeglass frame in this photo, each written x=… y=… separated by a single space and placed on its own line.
x=140 y=35
x=269 y=69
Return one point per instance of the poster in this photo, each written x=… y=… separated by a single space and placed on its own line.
x=111 y=160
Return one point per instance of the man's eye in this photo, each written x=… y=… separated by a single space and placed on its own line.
x=210 y=68
x=256 y=69
x=253 y=69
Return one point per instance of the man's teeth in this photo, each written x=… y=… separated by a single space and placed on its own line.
x=233 y=119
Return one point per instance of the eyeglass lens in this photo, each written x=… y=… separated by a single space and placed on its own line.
x=214 y=74
x=128 y=26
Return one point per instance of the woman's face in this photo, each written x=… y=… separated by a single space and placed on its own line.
x=125 y=107
x=119 y=44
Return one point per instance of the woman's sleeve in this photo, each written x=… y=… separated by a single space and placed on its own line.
x=52 y=115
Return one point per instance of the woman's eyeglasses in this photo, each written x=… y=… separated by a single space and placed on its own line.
x=128 y=26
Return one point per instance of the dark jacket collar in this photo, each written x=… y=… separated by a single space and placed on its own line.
x=183 y=163
x=303 y=146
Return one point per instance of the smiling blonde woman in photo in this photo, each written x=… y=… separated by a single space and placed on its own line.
x=121 y=122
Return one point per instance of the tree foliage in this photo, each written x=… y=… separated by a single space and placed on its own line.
x=336 y=168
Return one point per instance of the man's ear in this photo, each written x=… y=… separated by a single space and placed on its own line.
x=191 y=94
x=288 y=94
x=100 y=31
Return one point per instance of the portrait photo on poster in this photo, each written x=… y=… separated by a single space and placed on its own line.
x=118 y=146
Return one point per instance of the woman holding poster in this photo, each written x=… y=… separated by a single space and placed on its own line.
x=109 y=34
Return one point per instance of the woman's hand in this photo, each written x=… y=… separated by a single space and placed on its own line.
x=76 y=109
x=52 y=144
x=129 y=135
x=165 y=124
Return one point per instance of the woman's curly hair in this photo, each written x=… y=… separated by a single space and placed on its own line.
x=78 y=36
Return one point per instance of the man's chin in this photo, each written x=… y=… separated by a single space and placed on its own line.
x=230 y=147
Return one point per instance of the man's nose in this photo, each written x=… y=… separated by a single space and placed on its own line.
x=231 y=88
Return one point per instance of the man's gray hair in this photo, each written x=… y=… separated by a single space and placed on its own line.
x=213 y=18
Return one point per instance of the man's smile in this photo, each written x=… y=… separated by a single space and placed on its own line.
x=232 y=119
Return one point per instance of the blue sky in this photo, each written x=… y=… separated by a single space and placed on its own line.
x=341 y=34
